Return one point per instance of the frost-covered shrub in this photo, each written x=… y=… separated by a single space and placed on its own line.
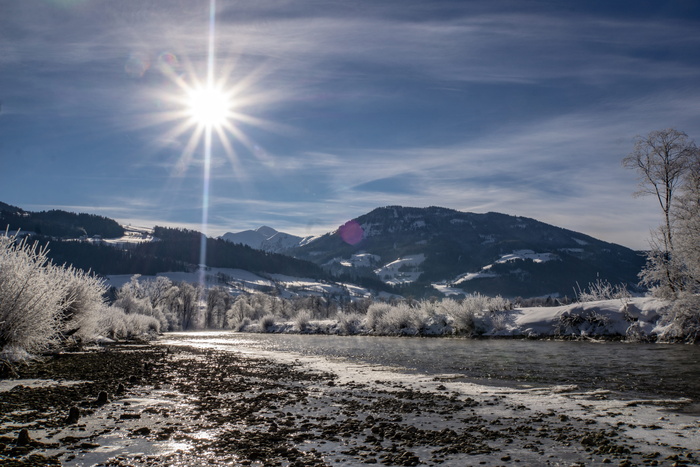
x=463 y=315
x=141 y=325
x=133 y=305
x=476 y=303
x=602 y=289
x=240 y=325
x=399 y=319
x=83 y=302
x=112 y=321
x=239 y=311
x=301 y=320
x=349 y=323
x=498 y=303
x=157 y=298
x=267 y=322
x=31 y=296
x=375 y=315
x=578 y=321
x=682 y=321
x=40 y=303
x=498 y=321
x=116 y=324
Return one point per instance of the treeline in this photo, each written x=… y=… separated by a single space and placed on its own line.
x=58 y=224
x=182 y=306
x=176 y=306
x=176 y=250
x=184 y=246
x=106 y=260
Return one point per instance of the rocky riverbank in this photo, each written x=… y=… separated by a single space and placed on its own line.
x=172 y=405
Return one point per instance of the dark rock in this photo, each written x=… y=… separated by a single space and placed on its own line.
x=143 y=431
x=102 y=398
x=73 y=415
x=23 y=438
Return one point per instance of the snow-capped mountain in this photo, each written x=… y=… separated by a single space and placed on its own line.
x=459 y=252
x=265 y=238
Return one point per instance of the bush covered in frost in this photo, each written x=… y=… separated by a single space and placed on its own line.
x=44 y=305
x=31 y=297
x=681 y=322
x=301 y=320
x=602 y=289
x=349 y=323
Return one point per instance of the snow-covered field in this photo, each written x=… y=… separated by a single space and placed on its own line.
x=133 y=236
x=239 y=281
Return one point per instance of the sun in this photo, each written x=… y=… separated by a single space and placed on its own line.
x=209 y=106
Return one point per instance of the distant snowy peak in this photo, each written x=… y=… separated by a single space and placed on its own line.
x=251 y=238
x=265 y=238
x=266 y=231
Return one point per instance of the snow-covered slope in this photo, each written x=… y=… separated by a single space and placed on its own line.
x=239 y=281
x=265 y=238
x=132 y=236
x=465 y=253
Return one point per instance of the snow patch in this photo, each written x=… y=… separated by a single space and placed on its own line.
x=527 y=254
x=402 y=271
x=474 y=275
x=133 y=235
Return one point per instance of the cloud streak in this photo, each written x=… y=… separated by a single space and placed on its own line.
x=519 y=107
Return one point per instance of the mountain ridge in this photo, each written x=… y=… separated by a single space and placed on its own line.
x=412 y=251
x=487 y=253
x=265 y=238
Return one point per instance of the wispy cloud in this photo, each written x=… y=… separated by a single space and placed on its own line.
x=518 y=107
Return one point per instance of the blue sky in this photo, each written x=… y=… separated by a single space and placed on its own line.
x=521 y=107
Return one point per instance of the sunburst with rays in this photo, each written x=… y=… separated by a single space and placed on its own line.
x=198 y=109
x=204 y=108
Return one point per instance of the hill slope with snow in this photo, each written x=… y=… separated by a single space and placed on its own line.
x=453 y=252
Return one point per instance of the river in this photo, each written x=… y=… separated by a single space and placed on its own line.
x=630 y=370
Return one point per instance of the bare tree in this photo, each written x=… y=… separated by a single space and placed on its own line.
x=662 y=160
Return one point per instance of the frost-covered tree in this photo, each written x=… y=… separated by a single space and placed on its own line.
x=219 y=300
x=663 y=161
x=687 y=228
x=157 y=298
x=187 y=299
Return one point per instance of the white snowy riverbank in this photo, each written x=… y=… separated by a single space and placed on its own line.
x=635 y=318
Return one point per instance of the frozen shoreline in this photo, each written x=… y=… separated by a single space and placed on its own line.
x=206 y=403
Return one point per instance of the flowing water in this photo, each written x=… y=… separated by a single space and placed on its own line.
x=630 y=370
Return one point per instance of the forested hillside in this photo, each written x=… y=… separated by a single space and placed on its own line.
x=59 y=224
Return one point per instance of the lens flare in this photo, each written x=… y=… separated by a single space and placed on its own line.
x=351 y=232
x=137 y=64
